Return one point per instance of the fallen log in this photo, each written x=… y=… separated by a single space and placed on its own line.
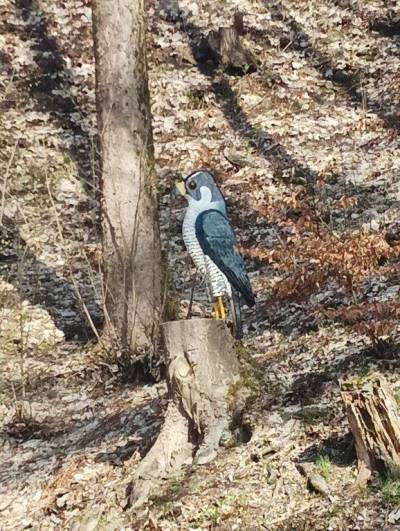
x=202 y=364
x=374 y=420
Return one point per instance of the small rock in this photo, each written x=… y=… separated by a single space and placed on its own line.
x=374 y=225
x=314 y=480
x=318 y=483
x=61 y=501
x=394 y=516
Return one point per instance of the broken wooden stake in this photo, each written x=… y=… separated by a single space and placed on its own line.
x=375 y=423
x=202 y=364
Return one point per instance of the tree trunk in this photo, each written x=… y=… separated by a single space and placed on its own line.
x=375 y=423
x=202 y=365
x=131 y=245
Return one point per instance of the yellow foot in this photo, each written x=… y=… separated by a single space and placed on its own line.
x=222 y=307
x=219 y=308
x=216 y=310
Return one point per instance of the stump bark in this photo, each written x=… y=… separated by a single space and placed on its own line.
x=375 y=423
x=202 y=364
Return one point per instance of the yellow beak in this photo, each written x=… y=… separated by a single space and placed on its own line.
x=180 y=186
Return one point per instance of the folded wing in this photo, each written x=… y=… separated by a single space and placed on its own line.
x=217 y=240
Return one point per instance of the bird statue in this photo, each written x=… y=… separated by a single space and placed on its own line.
x=211 y=243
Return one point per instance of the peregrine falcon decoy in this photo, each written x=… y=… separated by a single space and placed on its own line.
x=210 y=241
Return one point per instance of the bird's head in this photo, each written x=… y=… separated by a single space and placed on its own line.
x=200 y=187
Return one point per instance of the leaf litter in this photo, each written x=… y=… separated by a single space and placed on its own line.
x=307 y=153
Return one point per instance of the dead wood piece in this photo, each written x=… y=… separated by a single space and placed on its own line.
x=375 y=423
x=314 y=480
x=228 y=50
x=238 y=23
x=202 y=364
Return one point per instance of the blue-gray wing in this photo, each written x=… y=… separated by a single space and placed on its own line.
x=217 y=240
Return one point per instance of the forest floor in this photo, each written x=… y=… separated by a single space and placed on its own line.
x=307 y=152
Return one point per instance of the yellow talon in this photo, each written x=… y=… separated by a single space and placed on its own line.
x=221 y=308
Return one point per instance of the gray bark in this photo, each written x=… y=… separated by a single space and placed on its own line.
x=131 y=245
x=202 y=365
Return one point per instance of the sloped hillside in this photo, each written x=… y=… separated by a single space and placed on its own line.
x=307 y=152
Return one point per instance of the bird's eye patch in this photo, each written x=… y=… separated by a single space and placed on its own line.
x=192 y=185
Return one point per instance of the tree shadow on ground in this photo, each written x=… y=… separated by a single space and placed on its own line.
x=44 y=287
x=51 y=90
x=388 y=26
x=347 y=78
x=340 y=449
x=308 y=387
x=286 y=167
x=86 y=438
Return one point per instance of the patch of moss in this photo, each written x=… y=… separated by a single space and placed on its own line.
x=67 y=158
x=174 y=490
x=222 y=508
x=246 y=388
x=358 y=380
x=296 y=106
x=171 y=307
x=44 y=347
x=389 y=485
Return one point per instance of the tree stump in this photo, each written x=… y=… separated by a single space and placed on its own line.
x=202 y=364
x=228 y=50
x=375 y=423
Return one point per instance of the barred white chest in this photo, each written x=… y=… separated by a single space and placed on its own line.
x=218 y=282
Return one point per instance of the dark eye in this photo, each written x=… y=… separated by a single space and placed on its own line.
x=192 y=185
